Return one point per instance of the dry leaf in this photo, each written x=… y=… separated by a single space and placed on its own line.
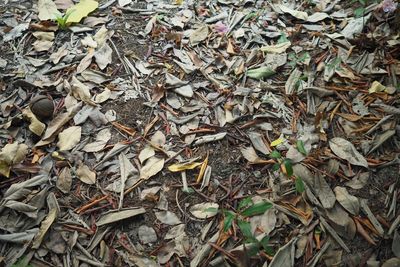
x=69 y=138
x=346 y=150
x=153 y=166
x=85 y=174
x=47 y=10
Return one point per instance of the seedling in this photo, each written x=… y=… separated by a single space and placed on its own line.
x=247 y=208
x=62 y=20
x=286 y=167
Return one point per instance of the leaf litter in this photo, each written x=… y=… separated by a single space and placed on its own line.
x=195 y=133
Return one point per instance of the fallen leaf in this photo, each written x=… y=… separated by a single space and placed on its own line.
x=11 y=154
x=116 y=216
x=204 y=210
x=260 y=73
x=152 y=166
x=85 y=174
x=178 y=167
x=199 y=35
x=349 y=202
x=346 y=150
x=81 y=10
x=69 y=138
x=47 y=10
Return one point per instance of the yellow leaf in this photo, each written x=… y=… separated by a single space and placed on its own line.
x=277 y=142
x=81 y=10
x=179 y=2
x=202 y=169
x=5 y=169
x=376 y=87
x=183 y=166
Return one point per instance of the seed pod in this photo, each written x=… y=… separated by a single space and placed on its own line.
x=42 y=107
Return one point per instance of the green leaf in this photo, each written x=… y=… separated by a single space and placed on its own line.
x=260 y=73
x=288 y=167
x=299 y=185
x=300 y=147
x=245 y=227
x=188 y=191
x=211 y=209
x=283 y=38
x=256 y=209
x=245 y=202
x=229 y=216
x=81 y=10
x=265 y=244
x=359 y=12
x=275 y=167
x=275 y=155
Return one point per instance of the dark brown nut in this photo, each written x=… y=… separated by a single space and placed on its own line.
x=42 y=107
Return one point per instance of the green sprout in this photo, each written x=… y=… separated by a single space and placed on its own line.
x=62 y=19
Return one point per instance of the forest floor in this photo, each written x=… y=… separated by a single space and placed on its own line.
x=199 y=133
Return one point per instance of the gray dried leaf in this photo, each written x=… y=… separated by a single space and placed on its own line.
x=20 y=237
x=47 y=10
x=346 y=150
x=349 y=202
x=102 y=137
x=265 y=222
x=146 y=153
x=209 y=138
x=54 y=210
x=258 y=143
x=64 y=180
x=285 y=255
x=85 y=174
x=147 y=234
x=86 y=61
x=56 y=124
x=152 y=166
x=396 y=244
x=359 y=181
x=199 y=35
x=324 y=192
x=381 y=138
x=103 y=56
x=167 y=217
x=356 y=25
x=116 y=216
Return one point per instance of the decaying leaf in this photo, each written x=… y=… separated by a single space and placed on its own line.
x=260 y=73
x=116 y=216
x=11 y=154
x=85 y=174
x=199 y=35
x=346 y=150
x=81 y=10
x=349 y=202
x=178 y=167
x=152 y=166
x=69 y=138
x=204 y=210
x=47 y=10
